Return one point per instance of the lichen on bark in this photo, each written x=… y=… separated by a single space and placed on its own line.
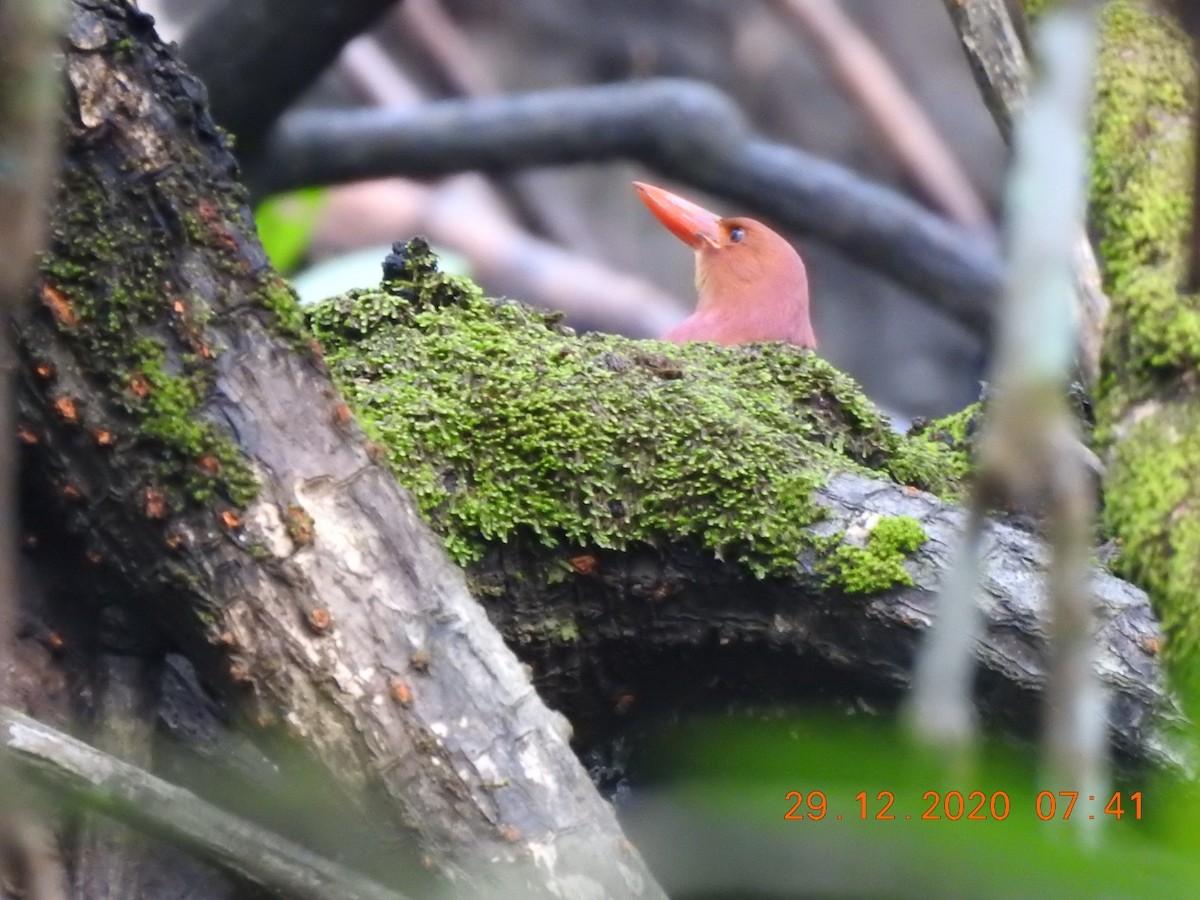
x=500 y=420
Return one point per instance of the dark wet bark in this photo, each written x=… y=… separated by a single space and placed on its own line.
x=178 y=420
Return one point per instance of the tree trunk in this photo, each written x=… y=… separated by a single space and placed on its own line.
x=183 y=425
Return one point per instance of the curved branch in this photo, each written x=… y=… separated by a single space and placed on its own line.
x=689 y=131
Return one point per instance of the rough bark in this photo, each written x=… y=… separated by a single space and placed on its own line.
x=639 y=631
x=181 y=421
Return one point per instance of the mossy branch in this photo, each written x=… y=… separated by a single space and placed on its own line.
x=1148 y=411
x=500 y=421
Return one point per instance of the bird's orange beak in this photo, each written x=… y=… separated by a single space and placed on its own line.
x=692 y=224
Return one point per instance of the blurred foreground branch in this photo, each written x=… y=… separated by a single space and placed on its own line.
x=137 y=798
x=688 y=131
x=29 y=104
x=992 y=41
x=1030 y=452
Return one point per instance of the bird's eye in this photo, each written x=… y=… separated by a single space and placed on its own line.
x=736 y=234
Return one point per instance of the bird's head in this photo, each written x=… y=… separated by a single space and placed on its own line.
x=740 y=263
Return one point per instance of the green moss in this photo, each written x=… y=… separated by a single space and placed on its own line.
x=116 y=304
x=956 y=432
x=1140 y=193
x=1141 y=185
x=554 y=631
x=1035 y=8
x=878 y=564
x=279 y=297
x=501 y=422
x=1158 y=523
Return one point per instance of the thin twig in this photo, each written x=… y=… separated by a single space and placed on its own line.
x=465 y=213
x=449 y=49
x=535 y=199
x=905 y=130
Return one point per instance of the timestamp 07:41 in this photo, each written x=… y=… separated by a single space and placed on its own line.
x=971 y=806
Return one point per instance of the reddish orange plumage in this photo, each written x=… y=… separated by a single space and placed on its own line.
x=751 y=283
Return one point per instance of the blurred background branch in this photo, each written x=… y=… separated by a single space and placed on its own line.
x=916 y=358
x=29 y=115
x=258 y=56
x=903 y=127
x=686 y=130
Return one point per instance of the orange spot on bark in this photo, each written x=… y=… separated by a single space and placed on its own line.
x=299 y=525
x=319 y=620
x=60 y=307
x=401 y=693
x=139 y=386
x=584 y=564
x=154 y=504
x=65 y=407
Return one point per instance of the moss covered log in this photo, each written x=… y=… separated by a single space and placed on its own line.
x=1148 y=411
x=502 y=421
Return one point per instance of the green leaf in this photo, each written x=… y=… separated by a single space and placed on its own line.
x=286 y=223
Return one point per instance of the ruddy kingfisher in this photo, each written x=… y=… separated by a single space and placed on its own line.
x=751 y=283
